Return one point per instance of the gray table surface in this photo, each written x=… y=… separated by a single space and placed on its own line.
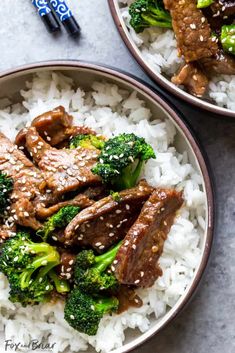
x=208 y=324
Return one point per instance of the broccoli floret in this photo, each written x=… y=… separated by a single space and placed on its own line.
x=26 y=265
x=62 y=286
x=227 y=38
x=115 y=196
x=201 y=4
x=6 y=187
x=83 y=312
x=37 y=292
x=58 y=220
x=90 y=271
x=87 y=141
x=148 y=13
x=121 y=160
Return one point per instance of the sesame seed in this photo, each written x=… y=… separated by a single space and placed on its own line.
x=111 y=234
x=26 y=214
x=44 y=262
x=192 y=26
x=115 y=262
x=137 y=281
x=98 y=244
x=47 y=287
x=69 y=269
x=142 y=273
x=127 y=207
x=101 y=247
x=71 y=262
x=72 y=317
x=134 y=246
x=118 y=211
x=154 y=248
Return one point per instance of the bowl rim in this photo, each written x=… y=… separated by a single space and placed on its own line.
x=198 y=151
x=158 y=77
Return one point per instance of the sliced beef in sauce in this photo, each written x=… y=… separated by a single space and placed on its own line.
x=192 y=31
x=107 y=221
x=192 y=77
x=80 y=200
x=29 y=185
x=221 y=63
x=65 y=170
x=67 y=259
x=136 y=260
x=220 y=12
x=127 y=299
x=96 y=192
x=55 y=127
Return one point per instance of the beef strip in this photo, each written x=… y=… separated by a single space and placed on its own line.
x=127 y=298
x=80 y=200
x=107 y=221
x=220 y=12
x=29 y=185
x=136 y=260
x=65 y=170
x=193 y=79
x=67 y=259
x=224 y=8
x=96 y=192
x=55 y=127
x=192 y=31
x=221 y=63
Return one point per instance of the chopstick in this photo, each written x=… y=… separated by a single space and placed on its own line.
x=65 y=16
x=46 y=15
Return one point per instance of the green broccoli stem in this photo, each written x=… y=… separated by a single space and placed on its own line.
x=104 y=261
x=106 y=304
x=47 y=261
x=160 y=14
x=39 y=248
x=157 y=22
x=61 y=285
x=201 y=4
x=129 y=177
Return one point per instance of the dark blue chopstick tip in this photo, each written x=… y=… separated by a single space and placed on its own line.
x=51 y=23
x=71 y=26
x=66 y=17
x=46 y=15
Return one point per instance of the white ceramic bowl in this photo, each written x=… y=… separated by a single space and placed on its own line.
x=159 y=78
x=84 y=74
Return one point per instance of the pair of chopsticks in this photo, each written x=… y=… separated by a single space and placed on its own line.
x=52 y=12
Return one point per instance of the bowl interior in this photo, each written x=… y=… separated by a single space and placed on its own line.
x=162 y=79
x=83 y=75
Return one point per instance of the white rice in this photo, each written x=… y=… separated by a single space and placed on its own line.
x=110 y=110
x=158 y=47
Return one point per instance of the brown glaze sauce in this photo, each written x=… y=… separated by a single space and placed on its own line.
x=127 y=298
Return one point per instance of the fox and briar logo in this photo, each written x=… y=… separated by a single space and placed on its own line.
x=33 y=345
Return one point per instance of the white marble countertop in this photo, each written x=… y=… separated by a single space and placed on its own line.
x=208 y=323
